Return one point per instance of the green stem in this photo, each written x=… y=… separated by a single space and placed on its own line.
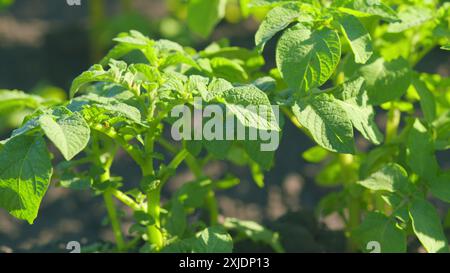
x=378 y=203
x=167 y=145
x=211 y=201
x=114 y=219
x=148 y=168
x=295 y=121
x=107 y=195
x=213 y=207
x=164 y=174
x=125 y=199
x=292 y=117
x=191 y=162
x=155 y=236
x=394 y=116
x=354 y=215
x=132 y=151
x=196 y=169
x=354 y=205
x=193 y=166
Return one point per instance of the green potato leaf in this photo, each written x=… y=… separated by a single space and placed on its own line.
x=427 y=102
x=427 y=226
x=440 y=187
x=327 y=122
x=381 y=229
x=353 y=98
x=365 y=8
x=358 y=38
x=275 y=21
x=203 y=15
x=390 y=178
x=420 y=152
x=68 y=131
x=306 y=57
x=386 y=81
x=13 y=99
x=25 y=172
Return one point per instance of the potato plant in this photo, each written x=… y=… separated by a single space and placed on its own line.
x=339 y=64
x=126 y=106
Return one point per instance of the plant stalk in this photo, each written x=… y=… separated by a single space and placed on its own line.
x=112 y=210
x=107 y=195
x=213 y=208
x=114 y=219
x=211 y=201
x=155 y=236
x=295 y=121
x=125 y=199
x=394 y=116
x=196 y=169
x=354 y=206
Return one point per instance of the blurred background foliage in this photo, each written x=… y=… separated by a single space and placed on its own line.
x=57 y=41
